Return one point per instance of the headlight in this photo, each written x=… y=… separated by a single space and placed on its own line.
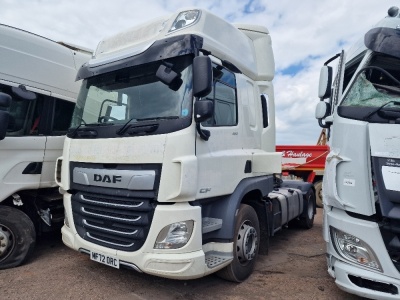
x=175 y=235
x=354 y=249
x=185 y=19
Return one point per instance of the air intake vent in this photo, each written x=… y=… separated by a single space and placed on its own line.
x=374 y=285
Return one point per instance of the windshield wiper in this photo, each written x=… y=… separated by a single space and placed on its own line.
x=159 y=118
x=89 y=133
x=367 y=117
x=122 y=130
x=73 y=133
x=126 y=126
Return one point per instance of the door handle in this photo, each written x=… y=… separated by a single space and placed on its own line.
x=33 y=168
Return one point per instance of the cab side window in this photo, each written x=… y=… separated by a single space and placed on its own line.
x=36 y=114
x=23 y=111
x=224 y=97
x=62 y=116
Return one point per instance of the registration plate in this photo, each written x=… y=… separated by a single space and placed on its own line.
x=104 y=259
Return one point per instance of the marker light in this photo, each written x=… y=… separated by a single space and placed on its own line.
x=58 y=170
x=354 y=249
x=66 y=221
x=185 y=19
x=175 y=235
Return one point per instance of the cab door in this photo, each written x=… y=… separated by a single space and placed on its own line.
x=220 y=158
x=22 y=150
x=58 y=119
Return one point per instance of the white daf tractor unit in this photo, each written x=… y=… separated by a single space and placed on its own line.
x=361 y=185
x=168 y=167
x=37 y=97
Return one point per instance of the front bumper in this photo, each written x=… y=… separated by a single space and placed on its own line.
x=187 y=262
x=354 y=278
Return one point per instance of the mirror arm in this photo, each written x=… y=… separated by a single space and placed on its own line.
x=332 y=59
x=326 y=125
x=204 y=134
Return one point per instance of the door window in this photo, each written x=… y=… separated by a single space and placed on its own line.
x=224 y=97
x=24 y=112
x=62 y=116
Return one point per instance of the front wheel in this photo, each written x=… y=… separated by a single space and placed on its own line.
x=17 y=237
x=245 y=246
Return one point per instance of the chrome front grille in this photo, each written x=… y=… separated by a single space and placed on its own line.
x=121 y=223
x=121 y=204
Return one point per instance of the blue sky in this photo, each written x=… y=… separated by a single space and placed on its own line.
x=304 y=35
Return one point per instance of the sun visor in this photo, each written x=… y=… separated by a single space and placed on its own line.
x=383 y=40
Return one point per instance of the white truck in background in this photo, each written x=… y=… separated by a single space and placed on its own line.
x=37 y=97
x=169 y=166
x=361 y=185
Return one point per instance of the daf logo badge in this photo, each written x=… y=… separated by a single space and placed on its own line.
x=107 y=178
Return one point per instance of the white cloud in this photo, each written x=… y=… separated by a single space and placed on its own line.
x=306 y=33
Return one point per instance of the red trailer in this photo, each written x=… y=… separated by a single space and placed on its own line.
x=305 y=163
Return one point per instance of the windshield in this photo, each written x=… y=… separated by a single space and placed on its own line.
x=135 y=94
x=375 y=90
x=364 y=93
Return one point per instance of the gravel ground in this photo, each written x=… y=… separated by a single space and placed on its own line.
x=294 y=269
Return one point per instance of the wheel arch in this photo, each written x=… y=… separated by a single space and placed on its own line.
x=250 y=191
x=27 y=207
x=254 y=199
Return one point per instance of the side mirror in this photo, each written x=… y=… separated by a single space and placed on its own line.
x=4 y=117
x=325 y=82
x=169 y=77
x=203 y=110
x=5 y=101
x=22 y=93
x=321 y=112
x=202 y=76
x=117 y=112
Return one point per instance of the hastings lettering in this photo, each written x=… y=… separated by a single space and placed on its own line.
x=107 y=178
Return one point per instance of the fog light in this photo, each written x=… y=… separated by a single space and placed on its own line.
x=175 y=235
x=354 y=249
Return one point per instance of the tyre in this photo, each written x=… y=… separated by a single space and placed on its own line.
x=307 y=217
x=245 y=245
x=17 y=237
x=318 y=194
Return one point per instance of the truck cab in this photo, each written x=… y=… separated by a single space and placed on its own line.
x=170 y=159
x=361 y=181
x=37 y=99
